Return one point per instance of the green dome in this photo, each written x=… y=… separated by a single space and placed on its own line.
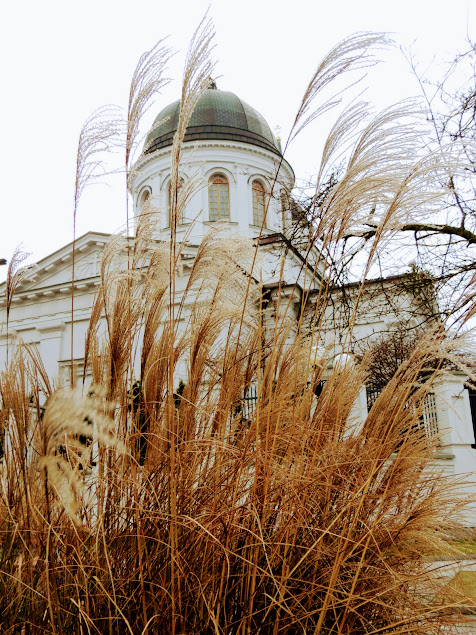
x=218 y=114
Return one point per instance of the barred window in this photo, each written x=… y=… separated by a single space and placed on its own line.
x=258 y=203
x=181 y=218
x=219 y=198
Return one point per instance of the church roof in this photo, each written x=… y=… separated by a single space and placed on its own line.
x=218 y=114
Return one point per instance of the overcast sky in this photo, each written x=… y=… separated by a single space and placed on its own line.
x=61 y=60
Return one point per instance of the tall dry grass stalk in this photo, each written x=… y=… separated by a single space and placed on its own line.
x=15 y=274
x=147 y=81
x=99 y=134
x=148 y=505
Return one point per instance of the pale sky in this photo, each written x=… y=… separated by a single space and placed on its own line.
x=61 y=61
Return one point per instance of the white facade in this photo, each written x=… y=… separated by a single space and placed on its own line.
x=41 y=308
x=42 y=313
x=241 y=164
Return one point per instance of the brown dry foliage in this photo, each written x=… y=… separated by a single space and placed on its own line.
x=197 y=518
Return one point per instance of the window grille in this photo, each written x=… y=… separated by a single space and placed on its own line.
x=247 y=406
x=472 y=406
x=429 y=417
x=430 y=420
x=372 y=393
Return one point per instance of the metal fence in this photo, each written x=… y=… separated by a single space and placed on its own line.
x=428 y=418
x=472 y=405
x=372 y=393
x=429 y=415
x=247 y=405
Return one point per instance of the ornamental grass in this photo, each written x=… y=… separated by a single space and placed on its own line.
x=205 y=479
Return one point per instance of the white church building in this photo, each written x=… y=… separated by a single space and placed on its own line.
x=230 y=147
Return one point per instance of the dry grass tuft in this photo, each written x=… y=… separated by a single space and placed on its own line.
x=99 y=135
x=73 y=420
x=15 y=274
x=196 y=78
x=147 y=80
x=355 y=53
x=289 y=516
x=248 y=497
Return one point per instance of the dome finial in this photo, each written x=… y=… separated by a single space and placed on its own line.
x=212 y=84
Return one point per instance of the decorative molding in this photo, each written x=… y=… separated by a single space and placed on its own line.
x=25 y=327
x=145 y=161
x=56 y=325
x=222 y=221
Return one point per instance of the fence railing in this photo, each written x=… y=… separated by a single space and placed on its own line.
x=247 y=405
x=429 y=416
x=472 y=406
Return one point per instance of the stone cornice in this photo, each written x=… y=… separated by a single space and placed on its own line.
x=86 y=285
x=46 y=292
x=146 y=160
x=55 y=261
x=51 y=327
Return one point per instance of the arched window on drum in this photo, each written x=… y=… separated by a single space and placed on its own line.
x=218 y=198
x=181 y=213
x=144 y=201
x=259 y=203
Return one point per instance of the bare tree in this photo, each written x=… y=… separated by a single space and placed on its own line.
x=437 y=233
